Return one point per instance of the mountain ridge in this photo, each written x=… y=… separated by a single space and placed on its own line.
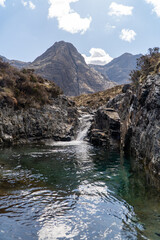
x=15 y=63
x=119 y=68
x=64 y=65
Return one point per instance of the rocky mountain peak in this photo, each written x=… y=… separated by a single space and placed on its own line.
x=62 y=52
x=64 y=65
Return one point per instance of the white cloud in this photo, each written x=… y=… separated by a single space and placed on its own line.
x=30 y=4
x=2 y=3
x=156 y=6
x=127 y=35
x=68 y=19
x=24 y=3
x=119 y=9
x=98 y=57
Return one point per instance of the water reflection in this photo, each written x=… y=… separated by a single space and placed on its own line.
x=74 y=191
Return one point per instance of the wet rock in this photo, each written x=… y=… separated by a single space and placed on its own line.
x=98 y=138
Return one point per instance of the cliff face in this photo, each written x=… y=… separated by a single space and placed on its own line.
x=118 y=69
x=57 y=121
x=134 y=124
x=66 y=67
x=139 y=111
x=105 y=129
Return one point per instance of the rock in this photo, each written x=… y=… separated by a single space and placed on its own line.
x=105 y=129
x=7 y=138
x=58 y=121
x=98 y=137
x=139 y=110
x=126 y=87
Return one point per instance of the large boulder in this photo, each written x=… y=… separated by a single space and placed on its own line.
x=105 y=129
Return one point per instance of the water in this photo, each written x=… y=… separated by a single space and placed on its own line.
x=85 y=123
x=74 y=191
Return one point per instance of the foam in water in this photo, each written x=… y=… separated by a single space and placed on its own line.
x=85 y=123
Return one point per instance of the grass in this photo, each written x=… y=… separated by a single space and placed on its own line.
x=23 y=89
x=98 y=99
x=148 y=64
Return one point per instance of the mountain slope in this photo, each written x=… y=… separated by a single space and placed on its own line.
x=119 y=68
x=64 y=65
x=15 y=63
x=23 y=89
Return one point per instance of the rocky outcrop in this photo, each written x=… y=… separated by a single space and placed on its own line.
x=64 y=65
x=105 y=129
x=57 y=121
x=139 y=110
x=118 y=69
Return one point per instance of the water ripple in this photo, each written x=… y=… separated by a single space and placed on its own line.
x=73 y=191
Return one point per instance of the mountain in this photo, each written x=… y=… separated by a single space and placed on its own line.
x=64 y=65
x=15 y=63
x=119 y=68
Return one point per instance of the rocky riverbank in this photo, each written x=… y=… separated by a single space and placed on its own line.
x=132 y=119
x=57 y=121
x=130 y=122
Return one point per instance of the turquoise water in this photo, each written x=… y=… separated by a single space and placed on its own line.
x=74 y=191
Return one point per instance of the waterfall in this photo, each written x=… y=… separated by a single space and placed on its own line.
x=85 y=123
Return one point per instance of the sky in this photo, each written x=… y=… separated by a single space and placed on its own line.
x=100 y=29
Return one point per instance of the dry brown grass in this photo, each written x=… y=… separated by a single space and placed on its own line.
x=23 y=89
x=98 y=99
x=148 y=64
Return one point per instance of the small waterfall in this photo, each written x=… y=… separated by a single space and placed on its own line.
x=85 y=123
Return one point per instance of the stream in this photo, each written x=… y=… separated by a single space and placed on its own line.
x=73 y=190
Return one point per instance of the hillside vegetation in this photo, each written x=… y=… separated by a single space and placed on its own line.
x=23 y=89
x=98 y=99
x=148 y=64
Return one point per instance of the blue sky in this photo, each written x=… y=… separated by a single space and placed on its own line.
x=99 y=29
